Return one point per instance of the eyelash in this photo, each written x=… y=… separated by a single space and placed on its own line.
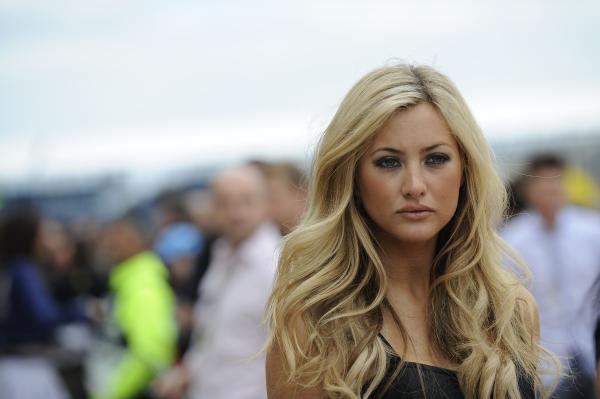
x=438 y=159
x=441 y=158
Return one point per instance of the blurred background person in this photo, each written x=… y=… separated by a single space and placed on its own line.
x=229 y=329
x=69 y=263
x=178 y=241
x=71 y=275
x=29 y=313
x=559 y=243
x=179 y=246
x=170 y=210
x=140 y=333
x=200 y=207
x=287 y=193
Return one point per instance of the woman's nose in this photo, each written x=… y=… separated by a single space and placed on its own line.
x=413 y=185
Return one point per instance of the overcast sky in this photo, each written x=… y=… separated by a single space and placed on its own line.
x=93 y=86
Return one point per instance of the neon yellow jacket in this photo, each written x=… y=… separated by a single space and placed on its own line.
x=144 y=311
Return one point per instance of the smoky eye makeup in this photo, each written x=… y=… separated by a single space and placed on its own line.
x=438 y=158
x=392 y=162
x=387 y=162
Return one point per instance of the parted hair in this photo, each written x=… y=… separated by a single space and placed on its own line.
x=326 y=309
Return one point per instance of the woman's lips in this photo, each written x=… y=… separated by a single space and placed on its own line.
x=415 y=215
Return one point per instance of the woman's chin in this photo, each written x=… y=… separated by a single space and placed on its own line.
x=416 y=237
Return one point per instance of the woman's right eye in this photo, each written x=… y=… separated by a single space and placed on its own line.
x=387 y=163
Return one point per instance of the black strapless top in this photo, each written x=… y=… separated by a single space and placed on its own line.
x=437 y=382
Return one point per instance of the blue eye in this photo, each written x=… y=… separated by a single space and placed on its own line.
x=437 y=159
x=387 y=163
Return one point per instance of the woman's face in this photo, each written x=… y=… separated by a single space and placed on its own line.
x=409 y=178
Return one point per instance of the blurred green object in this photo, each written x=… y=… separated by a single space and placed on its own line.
x=581 y=188
x=143 y=311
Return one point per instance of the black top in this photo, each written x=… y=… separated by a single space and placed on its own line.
x=437 y=382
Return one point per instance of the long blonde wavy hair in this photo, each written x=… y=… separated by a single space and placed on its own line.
x=326 y=309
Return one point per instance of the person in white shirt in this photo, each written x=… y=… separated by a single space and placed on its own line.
x=560 y=244
x=223 y=362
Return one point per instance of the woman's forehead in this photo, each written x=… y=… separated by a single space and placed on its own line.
x=415 y=128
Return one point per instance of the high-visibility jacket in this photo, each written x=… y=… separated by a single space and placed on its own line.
x=144 y=312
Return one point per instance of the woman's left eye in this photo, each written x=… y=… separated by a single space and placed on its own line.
x=437 y=159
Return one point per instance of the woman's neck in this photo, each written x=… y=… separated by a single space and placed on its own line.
x=408 y=265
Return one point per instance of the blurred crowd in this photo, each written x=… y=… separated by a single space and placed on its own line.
x=169 y=306
x=172 y=306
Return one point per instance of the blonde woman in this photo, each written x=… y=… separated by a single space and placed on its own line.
x=392 y=287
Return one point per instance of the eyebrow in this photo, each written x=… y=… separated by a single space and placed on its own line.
x=397 y=151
